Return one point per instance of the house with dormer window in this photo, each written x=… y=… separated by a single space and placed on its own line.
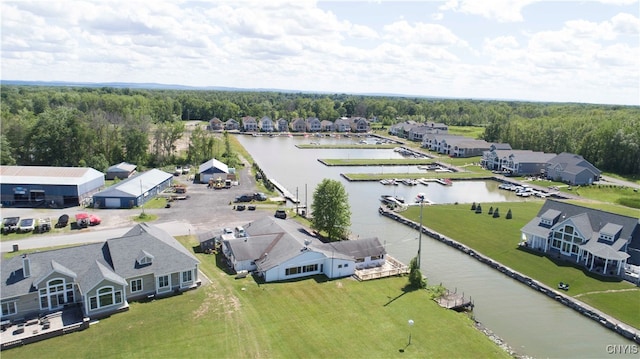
x=602 y=242
x=572 y=169
x=100 y=278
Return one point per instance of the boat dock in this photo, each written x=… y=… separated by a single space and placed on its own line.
x=455 y=301
x=288 y=195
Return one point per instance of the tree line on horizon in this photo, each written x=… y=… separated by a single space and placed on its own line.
x=98 y=127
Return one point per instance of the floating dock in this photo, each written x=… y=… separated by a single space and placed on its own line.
x=455 y=301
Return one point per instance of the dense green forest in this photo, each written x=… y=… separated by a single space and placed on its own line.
x=97 y=127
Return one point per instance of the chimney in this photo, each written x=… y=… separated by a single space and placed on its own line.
x=26 y=266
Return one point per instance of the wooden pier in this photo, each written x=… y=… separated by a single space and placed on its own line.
x=455 y=301
x=288 y=195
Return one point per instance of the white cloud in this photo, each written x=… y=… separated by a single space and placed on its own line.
x=500 y=10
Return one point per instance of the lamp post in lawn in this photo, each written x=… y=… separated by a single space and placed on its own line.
x=410 y=325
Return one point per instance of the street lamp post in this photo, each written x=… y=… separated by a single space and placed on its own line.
x=420 y=198
x=410 y=325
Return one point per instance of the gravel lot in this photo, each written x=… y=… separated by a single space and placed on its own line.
x=205 y=210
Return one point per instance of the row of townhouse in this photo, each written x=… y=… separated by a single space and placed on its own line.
x=564 y=167
x=459 y=146
x=310 y=124
x=415 y=131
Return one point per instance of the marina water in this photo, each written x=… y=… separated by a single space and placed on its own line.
x=530 y=322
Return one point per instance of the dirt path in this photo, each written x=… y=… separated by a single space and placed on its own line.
x=606 y=291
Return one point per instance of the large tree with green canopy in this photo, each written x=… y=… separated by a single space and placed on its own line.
x=331 y=210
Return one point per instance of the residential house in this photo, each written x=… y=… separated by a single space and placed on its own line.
x=265 y=124
x=278 y=249
x=282 y=125
x=249 y=124
x=122 y=170
x=467 y=147
x=342 y=125
x=572 y=169
x=101 y=278
x=326 y=126
x=359 y=124
x=215 y=124
x=231 y=125
x=298 y=125
x=516 y=162
x=602 y=242
x=402 y=129
x=313 y=124
x=417 y=131
x=437 y=142
x=213 y=169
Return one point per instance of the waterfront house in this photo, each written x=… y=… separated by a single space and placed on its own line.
x=516 y=162
x=249 y=124
x=100 y=278
x=277 y=249
x=231 y=125
x=359 y=124
x=215 y=124
x=342 y=125
x=313 y=124
x=298 y=125
x=326 y=126
x=265 y=124
x=572 y=169
x=282 y=125
x=602 y=242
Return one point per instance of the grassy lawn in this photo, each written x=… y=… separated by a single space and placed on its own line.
x=468 y=131
x=498 y=238
x=311 y=318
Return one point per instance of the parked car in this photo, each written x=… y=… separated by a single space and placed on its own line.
x=227 y=230
x=244 y=198
x=241 y=207
x=259 y=196
x=26 y=225
x=251 y=208
x=43 y=225
x=63 y=221
x=94 y=220
x=10 y=225
x=281 y=213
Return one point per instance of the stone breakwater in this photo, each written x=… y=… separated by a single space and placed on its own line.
x=582 y=308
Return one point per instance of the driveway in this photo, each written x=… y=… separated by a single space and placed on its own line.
x=205 y=210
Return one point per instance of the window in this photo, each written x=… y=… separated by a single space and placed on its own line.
x=163 y=282
x=136 y=285
x=56 y=294
x=187 y=276
x=9 y=308
x=105 y=297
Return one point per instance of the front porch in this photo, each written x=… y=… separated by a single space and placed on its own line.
x=26 y=331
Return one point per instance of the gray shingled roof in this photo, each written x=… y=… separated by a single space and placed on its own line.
x=137 y=185
x=113 y=260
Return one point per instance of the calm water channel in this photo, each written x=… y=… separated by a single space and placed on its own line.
x=530 y=322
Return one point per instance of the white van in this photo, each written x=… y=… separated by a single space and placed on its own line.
x=239 y=231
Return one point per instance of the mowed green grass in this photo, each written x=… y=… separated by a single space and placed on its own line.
x=311 y=318
x=498 y=238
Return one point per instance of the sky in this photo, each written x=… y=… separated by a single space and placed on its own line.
x=529 y=50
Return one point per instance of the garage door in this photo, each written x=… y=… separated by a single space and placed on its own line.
x=112 y=202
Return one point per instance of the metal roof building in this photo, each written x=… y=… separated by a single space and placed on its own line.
x=36 y=186
x=134 y=191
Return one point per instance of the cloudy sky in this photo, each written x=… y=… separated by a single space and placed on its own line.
x=577 y=51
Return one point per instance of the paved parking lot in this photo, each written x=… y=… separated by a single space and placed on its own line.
x=204 y=210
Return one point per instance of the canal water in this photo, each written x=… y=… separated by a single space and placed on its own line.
x=531 y=323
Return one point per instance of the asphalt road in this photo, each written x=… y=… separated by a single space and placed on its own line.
x=204 y=210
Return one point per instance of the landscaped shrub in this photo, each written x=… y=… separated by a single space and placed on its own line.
x=496 y=213
x=509 y=216
x=490 y=210
x=478 y=208
x=473 y=206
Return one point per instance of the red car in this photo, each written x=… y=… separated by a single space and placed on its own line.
x=94 y=220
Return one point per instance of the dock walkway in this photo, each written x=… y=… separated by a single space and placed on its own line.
x=288 y=195
x=455 y=301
